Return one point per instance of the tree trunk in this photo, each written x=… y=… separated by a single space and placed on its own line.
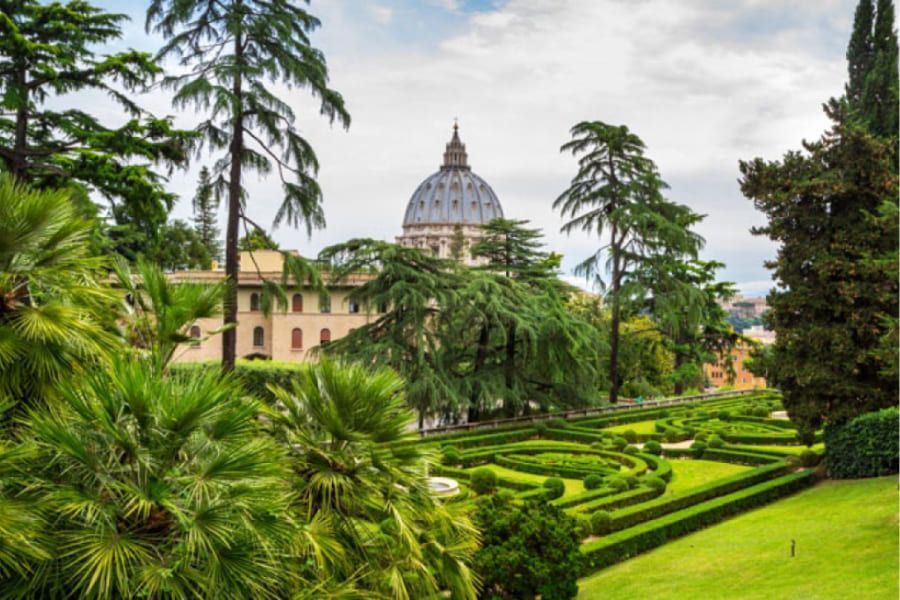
x=614 y=325
x=18 y=165
x=229 y=336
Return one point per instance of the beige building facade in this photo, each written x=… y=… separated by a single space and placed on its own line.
x=310 y=320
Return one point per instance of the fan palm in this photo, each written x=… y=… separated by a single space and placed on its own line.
x=345 y=427
x=155 y=487
x=53 y=307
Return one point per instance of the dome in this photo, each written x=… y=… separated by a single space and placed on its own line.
x=454 y=194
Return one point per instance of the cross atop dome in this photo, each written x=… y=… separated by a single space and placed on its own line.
x=455 y=156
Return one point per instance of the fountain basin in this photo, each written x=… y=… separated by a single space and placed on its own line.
x=443 y=486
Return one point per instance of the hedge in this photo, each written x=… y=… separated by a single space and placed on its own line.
x=631 y=516
x=255 y=375
x=464 y=475
x=867 y=446
x=738 y=457
x=550 y=470
x=630 y=542
x=639 y=494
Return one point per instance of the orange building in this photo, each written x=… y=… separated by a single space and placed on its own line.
x=718 y=375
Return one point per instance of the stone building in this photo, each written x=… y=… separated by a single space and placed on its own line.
x=449 y=202
x=718 y=376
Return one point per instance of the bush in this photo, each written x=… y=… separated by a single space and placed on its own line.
x=600 y=521
x=483 y=481
x=540 y=428
x=723 y=415
x=701 y=437
x=555 y=486
x=619 y=443
x=809 y=458
x=592 y=482
x=699 y=448
x=655 y=483
x=867 y=446
x=255 y=375
x=617 y=483
x=630 y=480
x=632 y=450
x=715 y=442
x=451 y=455
x=672 y=437
x=630 y=436
x=653 y=447
x=557 y=423
x=761 y=411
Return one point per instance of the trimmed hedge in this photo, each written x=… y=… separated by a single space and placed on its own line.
x=630 y=542
x=867 y=446
x=255 y=375
x=463 y=475
x=639 y=494
x=631 y=516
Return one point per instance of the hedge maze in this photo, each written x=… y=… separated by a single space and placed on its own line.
x=616 y=484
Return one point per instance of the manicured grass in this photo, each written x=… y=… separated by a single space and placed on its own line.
x=788 y=450
x=847 y=547
x=637 y=427
x=573 y=486
x=688 y=474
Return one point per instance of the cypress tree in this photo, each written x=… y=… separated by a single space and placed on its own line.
x=206 y=203
x=878 y=105
x=859 y=51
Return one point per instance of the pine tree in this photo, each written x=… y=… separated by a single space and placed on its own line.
x=47 y=50
x=234 y=50
x=512 y=248
x=206 y=204
x=257 y=239
x=617 y=188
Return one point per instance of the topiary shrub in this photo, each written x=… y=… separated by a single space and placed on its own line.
x=540 y=428
x=556 y=487
x=630 y=436
x=617 y=483
x=761 y=411
x=715 y=442
x=631 y=450
x=809 y=458
x=655 y=483
x=699 y=448
x=593 y=481
x=618 y=443
x=630 y=480
x=867 y=446
x=483 y=481
x=451 y=455
x=701 y=436
x=653 y=447
x=583 y=528
x=600 y=522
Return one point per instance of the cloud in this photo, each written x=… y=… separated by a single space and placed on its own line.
x=704 y=83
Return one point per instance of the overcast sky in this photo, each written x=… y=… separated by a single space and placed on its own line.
x=703 y=83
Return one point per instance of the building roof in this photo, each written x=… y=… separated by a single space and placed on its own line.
x=454 y=194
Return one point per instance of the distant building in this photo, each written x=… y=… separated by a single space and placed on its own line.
x=450 y=200
x=745 y=307
x=718 y=374
x=759 y=334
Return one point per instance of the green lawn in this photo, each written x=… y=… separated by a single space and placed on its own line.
x=688 y=473
x=847 y=547
x=637 y=427
x=573 y=486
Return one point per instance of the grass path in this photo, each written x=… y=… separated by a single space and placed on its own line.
x=637 y=427
x=847 y=547
x=688 y=474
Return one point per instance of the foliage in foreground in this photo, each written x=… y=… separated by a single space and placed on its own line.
x=526 y=551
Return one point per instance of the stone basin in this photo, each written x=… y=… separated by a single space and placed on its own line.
x=443 y=486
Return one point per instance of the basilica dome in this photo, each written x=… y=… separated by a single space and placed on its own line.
x=454 y=194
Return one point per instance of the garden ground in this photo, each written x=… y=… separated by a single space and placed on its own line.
x=847 y=547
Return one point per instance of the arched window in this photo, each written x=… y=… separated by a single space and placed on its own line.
x=259 y=337
x=195 y=334
x=325 y=337
x=297 y=303
x=254 y=302
x=297 y=339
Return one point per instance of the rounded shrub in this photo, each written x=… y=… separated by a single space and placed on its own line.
x=583 y=528
x=483 y=481
x=715 y=442
x=631 y=450
x=701 y=436
x=630 y=480
x=655 y=483
x=451 y=455
x=653 y=447
x=540 y=427
x=699 y=448
x=593 y=481
x=598 y=445
x=809 y=458
x=630 y=436
x=557 y=423
x=761 y=411
x=556 y=487
x=619 y=443
x=617 y=483
x=600 y=522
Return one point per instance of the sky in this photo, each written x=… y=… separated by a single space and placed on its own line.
x=704 y=83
